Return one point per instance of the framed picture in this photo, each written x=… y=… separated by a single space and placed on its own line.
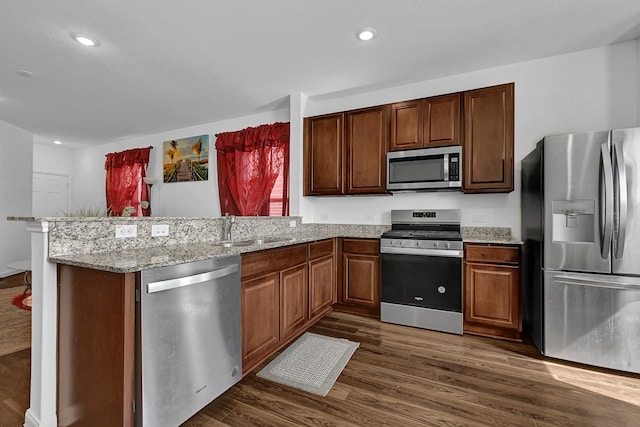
x=186 y=159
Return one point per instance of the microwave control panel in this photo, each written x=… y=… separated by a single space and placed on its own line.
x=454 y=167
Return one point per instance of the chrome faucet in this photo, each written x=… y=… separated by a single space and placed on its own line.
x=228 y=222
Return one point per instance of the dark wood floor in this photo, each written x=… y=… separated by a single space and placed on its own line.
x=403 y=376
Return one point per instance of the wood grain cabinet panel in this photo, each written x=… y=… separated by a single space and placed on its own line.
x=488 y=143
x=359 y=275
x=95 y=353
x=442 y=121
x=367 y=136
x=260 y=317
x=284 y=291
x=294 y=310
x=492 y=291
x=427 y=122
x=321 y=286
x=406 y=125
x=345 y=153
x=324 y=155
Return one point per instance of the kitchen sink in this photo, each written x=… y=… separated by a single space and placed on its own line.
x=235 y=243
x=265 y=240
x=249 y=242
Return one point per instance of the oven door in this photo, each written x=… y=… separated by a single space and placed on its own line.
x=433 y=282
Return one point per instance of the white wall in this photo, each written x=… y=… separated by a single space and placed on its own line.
x=51 y=158
x=16 y=166
x=170 y=199
x=582 y=91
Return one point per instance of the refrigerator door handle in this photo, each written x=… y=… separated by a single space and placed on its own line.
x=621 y=203
x=606 y=205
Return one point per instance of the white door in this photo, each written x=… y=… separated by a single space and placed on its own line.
x=50 y=194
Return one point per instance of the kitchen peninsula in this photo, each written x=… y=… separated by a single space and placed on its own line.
x=91 y=243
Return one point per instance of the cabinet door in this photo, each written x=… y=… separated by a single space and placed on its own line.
x=324 y=155
x=366 y=140
x=361 y=279
x=260 y=317
x=492 y=296
x=442 y=121
x=406 y=125
x=321 y=285
x=293 y=300
x=488 y=143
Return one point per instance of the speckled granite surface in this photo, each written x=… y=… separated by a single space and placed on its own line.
x=488 y=235
x=91 y=242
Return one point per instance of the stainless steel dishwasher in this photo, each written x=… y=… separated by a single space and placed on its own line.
x=189 y=348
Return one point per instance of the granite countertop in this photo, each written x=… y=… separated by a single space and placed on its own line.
x=90 y=243
x=489 y=235
x=134 y=260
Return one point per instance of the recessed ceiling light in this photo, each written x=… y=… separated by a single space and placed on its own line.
x=85 y=40
x=366 y=34
x=57 y=142
x=25 y=73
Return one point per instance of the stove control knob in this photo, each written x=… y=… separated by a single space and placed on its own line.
x=403 y=243
x=419 y=244
x=436 y=244
x=447 y=245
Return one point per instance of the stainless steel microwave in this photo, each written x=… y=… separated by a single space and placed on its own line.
x=425 y=169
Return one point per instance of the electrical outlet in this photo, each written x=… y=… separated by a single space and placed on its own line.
x=126 y=231
x=368 y=217
x=324 y=217
x=479 y=218
x=159 y=230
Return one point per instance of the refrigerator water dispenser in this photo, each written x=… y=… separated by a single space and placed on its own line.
x=573 y=221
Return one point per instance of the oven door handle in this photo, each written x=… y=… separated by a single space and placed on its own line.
x=421 y=251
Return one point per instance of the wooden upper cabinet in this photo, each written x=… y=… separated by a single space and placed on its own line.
x=345 y=153
x=428 y=122
x=488 y=142
x=324 y=155
x=366 y=138
x=442 y=121
x=406 y=125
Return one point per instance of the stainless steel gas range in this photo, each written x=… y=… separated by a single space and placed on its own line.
x=422 y=270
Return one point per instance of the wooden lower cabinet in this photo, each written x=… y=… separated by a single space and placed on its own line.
x=359 y=287
x=294 y=294
x=492 y=291
x=284 y=291
x=260 y=323
x=322 y=278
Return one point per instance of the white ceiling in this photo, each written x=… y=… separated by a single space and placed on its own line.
x=168 y=64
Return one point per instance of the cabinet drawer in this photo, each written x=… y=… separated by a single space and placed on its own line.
x=320 y=249
x=258 y=263
x=488 y=253
x=361 y=246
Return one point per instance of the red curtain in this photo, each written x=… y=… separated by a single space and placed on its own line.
x=124 y=185
x=249 y=162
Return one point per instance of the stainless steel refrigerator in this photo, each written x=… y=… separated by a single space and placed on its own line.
x=581 y=229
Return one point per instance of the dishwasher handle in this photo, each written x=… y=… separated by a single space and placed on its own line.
x=165 y=285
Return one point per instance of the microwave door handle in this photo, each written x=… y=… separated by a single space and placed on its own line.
x=621 y=203
x=606 y=200
x=446 y=167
